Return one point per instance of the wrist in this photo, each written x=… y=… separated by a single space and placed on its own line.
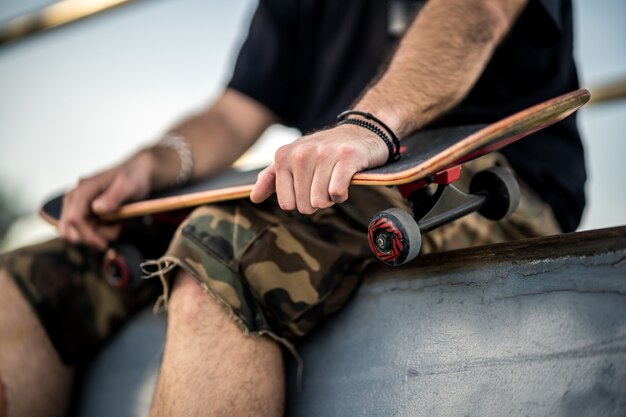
x=161 y=166
x=180 y=145
x=401 y=117
x=377 y=149
x=375 y=125
x=169 y=162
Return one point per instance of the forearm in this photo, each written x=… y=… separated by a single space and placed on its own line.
x=438 y=61
x=216 y=137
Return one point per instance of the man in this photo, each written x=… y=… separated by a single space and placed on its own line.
x=275 y=267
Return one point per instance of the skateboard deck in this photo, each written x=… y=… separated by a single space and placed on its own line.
x=423 y=154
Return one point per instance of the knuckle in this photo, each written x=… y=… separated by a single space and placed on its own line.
x=85 y=182
x=63 y=233
x=122 y=175
x=307 y=210
x=71 y=217
x=345 y=151
x=338 y=194
x=317 y=202
x=71 y=237
x=285 y=204
x=323 y=152
x=282 y=154
x=128 y=172
x=300 y=155
x=123 y=180
x=320 y=202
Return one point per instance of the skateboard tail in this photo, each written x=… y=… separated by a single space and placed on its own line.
x=499 y=144
x=486 y=140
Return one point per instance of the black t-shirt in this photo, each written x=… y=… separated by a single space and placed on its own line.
x=308 y=60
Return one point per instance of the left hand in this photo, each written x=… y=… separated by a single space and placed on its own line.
x=314 y=172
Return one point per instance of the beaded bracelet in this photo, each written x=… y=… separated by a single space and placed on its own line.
x=393 y=144
x=393 y=156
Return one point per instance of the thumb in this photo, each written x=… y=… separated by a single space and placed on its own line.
x=265 y=185
x=111 y=199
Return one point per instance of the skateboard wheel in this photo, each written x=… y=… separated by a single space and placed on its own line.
x=120 y=266
x=394 y=237
x=501 y=189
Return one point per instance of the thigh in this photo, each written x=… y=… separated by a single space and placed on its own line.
x=277 y=273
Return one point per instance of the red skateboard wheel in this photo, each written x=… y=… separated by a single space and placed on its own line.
x=394 y=237
x=116 y=272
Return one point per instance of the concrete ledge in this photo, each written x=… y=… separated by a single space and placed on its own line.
x=535 y=327
x=567 y=245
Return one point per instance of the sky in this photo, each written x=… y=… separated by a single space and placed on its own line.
x=601 y=57
x=80 y=98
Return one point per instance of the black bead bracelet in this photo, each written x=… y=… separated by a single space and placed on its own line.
x=393 y=156
x=387 y=135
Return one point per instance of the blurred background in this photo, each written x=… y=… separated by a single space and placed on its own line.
x=82 y=96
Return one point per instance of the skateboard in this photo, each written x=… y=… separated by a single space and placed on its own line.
x=430 y=163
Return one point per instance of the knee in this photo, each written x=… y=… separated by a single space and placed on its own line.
x=187 y=300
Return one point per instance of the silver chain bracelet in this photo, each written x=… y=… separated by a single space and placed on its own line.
x=179 y=144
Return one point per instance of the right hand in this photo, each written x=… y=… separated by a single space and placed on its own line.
x=100 y=194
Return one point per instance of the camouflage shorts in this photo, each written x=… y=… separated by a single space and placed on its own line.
x=278 y=273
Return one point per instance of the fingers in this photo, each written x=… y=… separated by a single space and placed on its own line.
x=340 y=183
x=320 y=191
x=78 y=223
x=122 y=189
x=294 y=171
x=303 y=167
x=265 y=185
x=95 y=235
x=100 y=194
x=307 y=176
x=315 y=171
x=76 y=211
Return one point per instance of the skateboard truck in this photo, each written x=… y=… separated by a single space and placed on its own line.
x=395 y=235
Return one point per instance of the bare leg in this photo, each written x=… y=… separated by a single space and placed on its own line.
x=33 y=380
x=210 y=368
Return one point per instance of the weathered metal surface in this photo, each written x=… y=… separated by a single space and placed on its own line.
x=530 y=328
